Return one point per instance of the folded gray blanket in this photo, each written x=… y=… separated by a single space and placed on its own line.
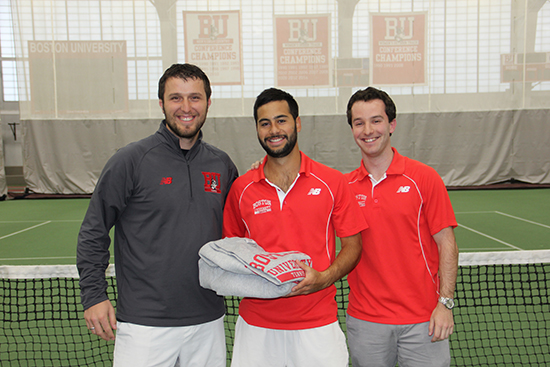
x=237 y=266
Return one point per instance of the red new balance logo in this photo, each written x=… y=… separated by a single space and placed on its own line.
x=166 y=181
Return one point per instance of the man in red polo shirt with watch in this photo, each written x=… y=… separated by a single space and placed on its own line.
x=401 y=292
x=292 y=203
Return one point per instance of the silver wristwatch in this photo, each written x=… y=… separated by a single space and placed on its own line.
x=447 y=302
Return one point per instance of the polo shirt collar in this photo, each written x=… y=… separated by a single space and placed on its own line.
x=397 y=166
x=305 y=168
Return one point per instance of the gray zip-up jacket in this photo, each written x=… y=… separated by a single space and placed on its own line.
x=164 y=206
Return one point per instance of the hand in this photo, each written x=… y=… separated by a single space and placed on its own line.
x=255 y=165
x=313 y=282
x=100 y=319
x=441 y=323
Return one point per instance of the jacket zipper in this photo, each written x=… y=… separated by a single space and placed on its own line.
x=190 y=181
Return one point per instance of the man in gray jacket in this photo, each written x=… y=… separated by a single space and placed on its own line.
x=165 y=196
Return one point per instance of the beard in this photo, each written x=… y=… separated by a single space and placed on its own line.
x=281 y=152
x=183 y=132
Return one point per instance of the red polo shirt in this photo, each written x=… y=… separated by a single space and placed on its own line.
x=317 y=205
x=396 y=281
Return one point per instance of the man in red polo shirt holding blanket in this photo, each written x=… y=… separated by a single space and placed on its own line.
x=292 y=203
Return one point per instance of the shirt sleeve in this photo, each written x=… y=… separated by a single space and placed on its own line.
x=347 y=217
x=437 y=207
x=106 y=205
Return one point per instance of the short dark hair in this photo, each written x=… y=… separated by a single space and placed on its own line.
x=369 y=94
x=185 y=72
x=274 y=94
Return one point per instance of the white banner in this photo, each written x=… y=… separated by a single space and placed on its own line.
x=213 y=42
x=302 y=50
x=398 y=48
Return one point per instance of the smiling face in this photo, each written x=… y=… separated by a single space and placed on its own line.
x=371 y=128
x=277 y=130
x=185 y=107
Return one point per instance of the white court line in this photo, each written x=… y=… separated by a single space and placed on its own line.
x=482 y=249
x=39 y=258
x=477 y=212
x=490 y=237
x=24 y=230
x=506 y=215
x=525 y=220
x=38 y=221
x=43 y=258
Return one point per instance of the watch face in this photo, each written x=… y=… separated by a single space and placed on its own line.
x=447 y=302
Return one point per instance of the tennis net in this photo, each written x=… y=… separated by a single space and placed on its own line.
x=502 y=315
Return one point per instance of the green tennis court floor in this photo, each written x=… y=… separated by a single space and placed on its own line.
x=44 y=231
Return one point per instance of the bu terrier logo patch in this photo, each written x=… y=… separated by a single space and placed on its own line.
x=212 y=182
x=361 y=199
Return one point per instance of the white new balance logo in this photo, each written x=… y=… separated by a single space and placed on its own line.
x=403 y=189
x=314 y=191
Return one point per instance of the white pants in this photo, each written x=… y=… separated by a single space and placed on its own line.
x=192 y=346
x=324 y=346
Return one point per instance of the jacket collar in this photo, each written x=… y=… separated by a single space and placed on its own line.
x=174 y=141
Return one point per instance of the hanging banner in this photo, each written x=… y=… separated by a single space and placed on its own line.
x=531 y=67
x=68 y=77
x=302 y=50
x=398 y=48
x=213 y=42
